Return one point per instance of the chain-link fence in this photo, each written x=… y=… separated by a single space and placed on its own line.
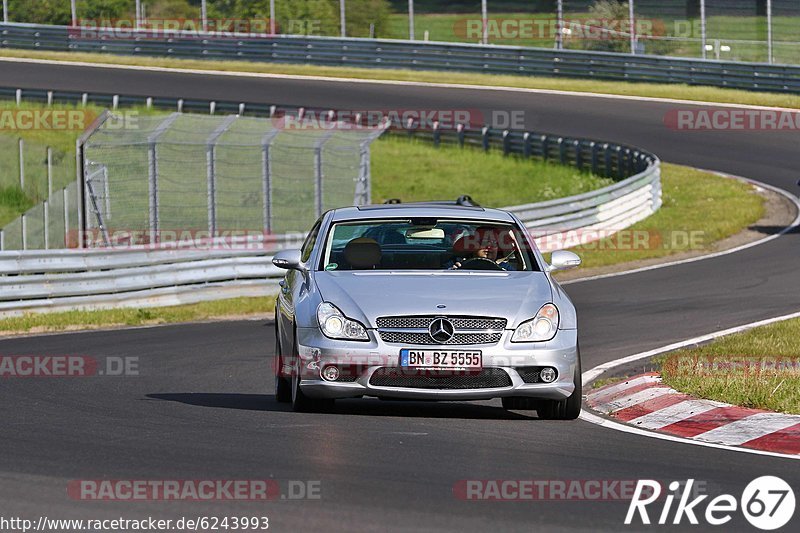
x=32 y=173
x=183 y=175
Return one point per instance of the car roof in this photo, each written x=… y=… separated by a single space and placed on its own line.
x=421 y=210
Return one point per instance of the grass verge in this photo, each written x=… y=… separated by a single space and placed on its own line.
x=414 y=170
x=684 y=92
x=759 y=368
x=69 y=320
x=699 y=209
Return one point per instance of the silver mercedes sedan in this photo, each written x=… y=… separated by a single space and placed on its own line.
x=428 y=301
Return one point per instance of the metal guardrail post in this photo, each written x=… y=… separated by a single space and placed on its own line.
x=545 y=147
x=526 y=144
x=593 y=151
x=562 y=151
x=24 y=222
x=578 y=154
x=506 y=142
x=211 y=157
x=2 y=240
x=607 y=162
x=460 y=135
x=266 y=169
x=485 y=138
x=437 y=134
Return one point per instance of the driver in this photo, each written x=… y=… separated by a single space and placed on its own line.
x=472 y=249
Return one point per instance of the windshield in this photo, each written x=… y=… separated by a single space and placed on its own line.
x=426 y=245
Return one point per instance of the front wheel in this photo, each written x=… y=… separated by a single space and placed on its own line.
x=568 y=409
x=283 y=386
x=300 y=402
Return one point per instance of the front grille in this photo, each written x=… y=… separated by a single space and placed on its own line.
x=468 y=330
x=424 y=338
x=488 y=378
x=529 y=374
x=459 y=322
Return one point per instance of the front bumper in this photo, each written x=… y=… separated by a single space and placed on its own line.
x=317 y=351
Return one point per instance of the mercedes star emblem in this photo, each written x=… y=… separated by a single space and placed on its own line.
x=441 y=330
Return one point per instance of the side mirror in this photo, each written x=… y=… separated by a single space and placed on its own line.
x=564 y=260
x=289 y=259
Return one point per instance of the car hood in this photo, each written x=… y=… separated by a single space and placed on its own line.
x=365 y=296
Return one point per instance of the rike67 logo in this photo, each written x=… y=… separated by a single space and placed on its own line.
x=767 y=502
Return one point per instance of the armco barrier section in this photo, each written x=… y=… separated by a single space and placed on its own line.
x=53 y=280
x=415 y=55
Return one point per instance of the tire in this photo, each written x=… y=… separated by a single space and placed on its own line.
x=302 y=403
x=568 y=409
x=283 y=386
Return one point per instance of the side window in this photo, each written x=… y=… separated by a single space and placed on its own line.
x=311 y=240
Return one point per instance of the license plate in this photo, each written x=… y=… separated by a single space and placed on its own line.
x=457 y=359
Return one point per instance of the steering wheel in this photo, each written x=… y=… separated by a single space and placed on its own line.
x=480 y=263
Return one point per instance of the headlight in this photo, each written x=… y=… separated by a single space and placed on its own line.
x=542 y=327
x=337 y=326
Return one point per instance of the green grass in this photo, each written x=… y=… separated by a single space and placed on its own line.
x=698 y=210
x=743 y=378
x=13 y=201
x=414 y=170
x=686 y=92
x=49 y=322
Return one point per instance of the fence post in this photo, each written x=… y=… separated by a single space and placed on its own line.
x=318 y=172
x=562 y=151
x=632 y=20
x=506 y=142
x=21 y=164
x=578 y=155
x=152 y=175
x=46 y=217
x=607 y=161
x=769 y=31
x=620 y=169
x=66 y=218
x=24 y=232
x=703 y=27
x=485 y=138
x=437 y=134
x=211 y=160
x=2 y=241
x=461 y=134
x=266 y=169
x=49 y=172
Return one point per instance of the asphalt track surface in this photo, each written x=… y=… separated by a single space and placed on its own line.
x=201 y=407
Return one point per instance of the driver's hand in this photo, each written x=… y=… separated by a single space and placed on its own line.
x=456 y=266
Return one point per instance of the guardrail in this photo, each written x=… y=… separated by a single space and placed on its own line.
x=414 y=55
x=52 y=280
